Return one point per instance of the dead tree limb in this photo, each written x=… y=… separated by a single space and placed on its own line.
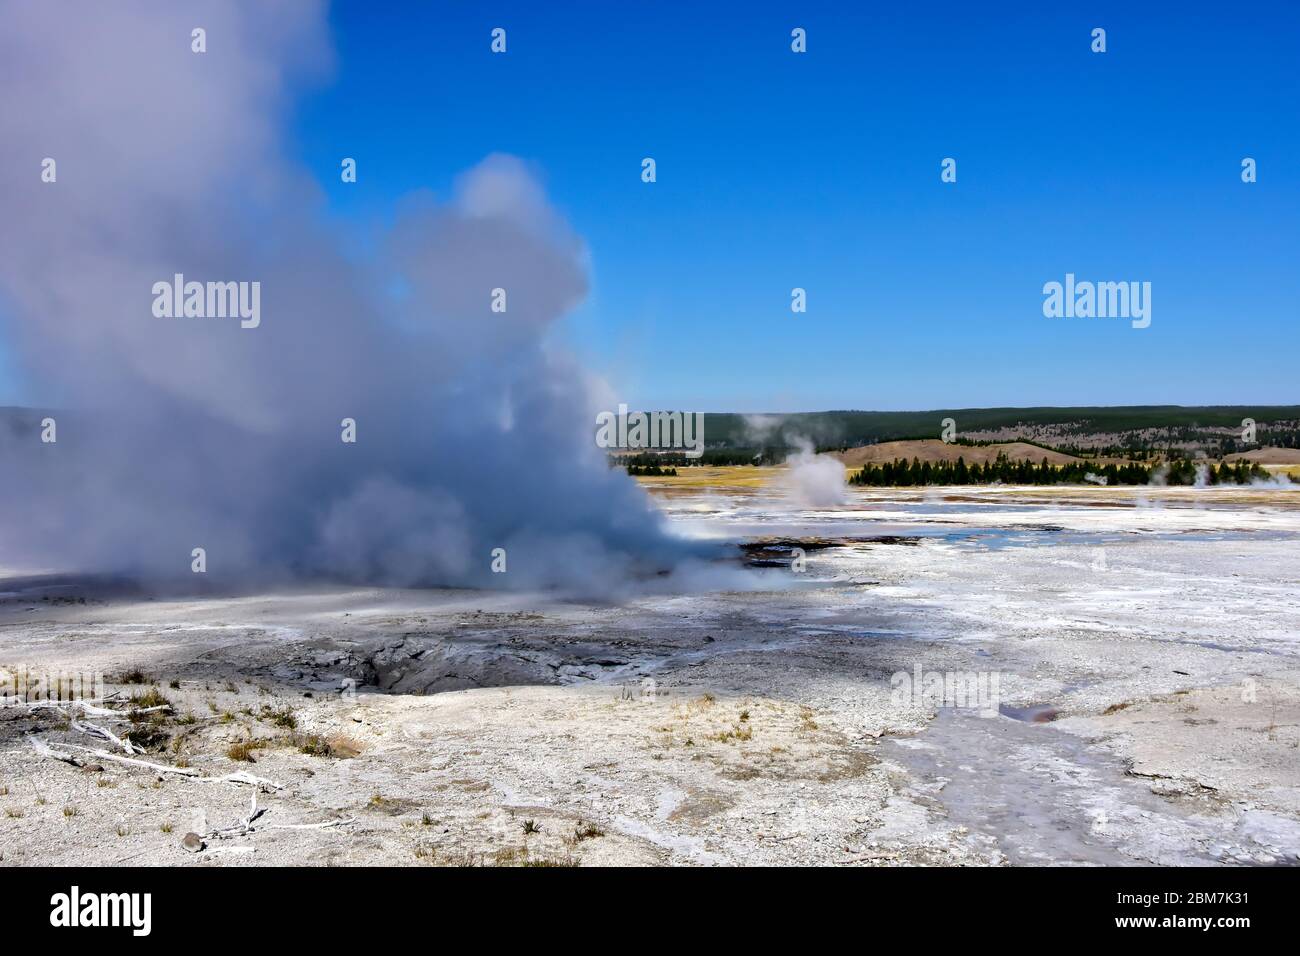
x=97 y=731
x=190 y=773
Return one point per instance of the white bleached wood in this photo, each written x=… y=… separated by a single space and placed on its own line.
x=190 y=773
x=97 y=731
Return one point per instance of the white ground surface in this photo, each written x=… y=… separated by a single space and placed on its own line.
x=1160 y=629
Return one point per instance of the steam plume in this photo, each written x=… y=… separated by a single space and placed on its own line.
x=177 y=433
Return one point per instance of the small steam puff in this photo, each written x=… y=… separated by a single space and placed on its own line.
x=814 y=481
x=472 y=433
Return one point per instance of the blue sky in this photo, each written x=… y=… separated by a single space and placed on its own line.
x=821 y=170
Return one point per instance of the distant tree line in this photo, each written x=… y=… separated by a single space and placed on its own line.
x=711 y=456
x=652 y=471
x=1277 y=437
x=839 y=429
x=902 y=473
x=1184 y=472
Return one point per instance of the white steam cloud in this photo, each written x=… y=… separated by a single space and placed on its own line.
x=472 y=433
x=812 y=480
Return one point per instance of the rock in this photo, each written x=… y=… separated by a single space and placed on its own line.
x=192 y=842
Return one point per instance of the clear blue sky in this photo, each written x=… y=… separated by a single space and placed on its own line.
x=821 y=170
